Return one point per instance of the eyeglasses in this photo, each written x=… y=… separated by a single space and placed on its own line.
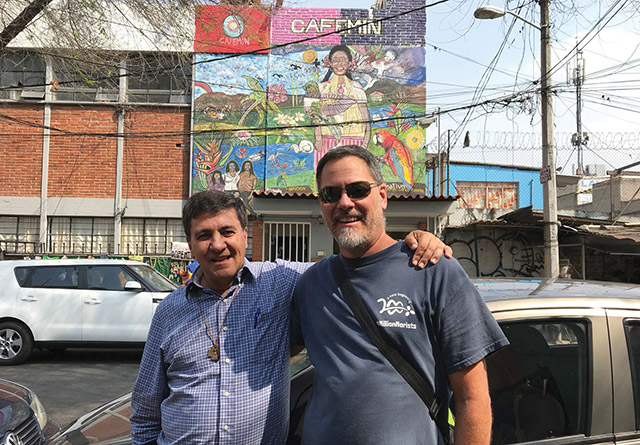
x=355 y=191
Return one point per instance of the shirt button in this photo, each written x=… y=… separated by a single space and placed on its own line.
x=226 y=360
x=226 y=393
x=226 y=427
x=224 y=328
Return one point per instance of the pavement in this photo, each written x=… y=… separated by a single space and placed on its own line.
x=72 y=382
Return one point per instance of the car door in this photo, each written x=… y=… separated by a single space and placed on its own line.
x=111 y=313
x=552 y=385
x=50 y=303
x=624 y=328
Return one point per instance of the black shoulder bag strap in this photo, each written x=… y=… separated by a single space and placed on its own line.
x=438 y=411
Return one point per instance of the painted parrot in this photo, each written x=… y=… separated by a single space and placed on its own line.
x=397 y=155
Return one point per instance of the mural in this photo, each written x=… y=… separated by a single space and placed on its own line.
x=263 y=121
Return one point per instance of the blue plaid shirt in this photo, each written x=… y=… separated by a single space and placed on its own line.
x=182 y=396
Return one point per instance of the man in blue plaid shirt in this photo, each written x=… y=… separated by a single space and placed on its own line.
x=215 y=366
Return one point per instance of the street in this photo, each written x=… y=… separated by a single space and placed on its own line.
x=72 y=382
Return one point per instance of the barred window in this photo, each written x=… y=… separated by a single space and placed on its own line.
x=150 y=236
x=80 y=236
x=19 y=234
x=287 y=241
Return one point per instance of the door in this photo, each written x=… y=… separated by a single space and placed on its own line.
x=553 y=383
x=111 y=313
x=50 y=302
x=624 y=328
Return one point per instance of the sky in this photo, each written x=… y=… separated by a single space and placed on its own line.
x=471 y=61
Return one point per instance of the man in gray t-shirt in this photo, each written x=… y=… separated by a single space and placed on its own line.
x=434 y=316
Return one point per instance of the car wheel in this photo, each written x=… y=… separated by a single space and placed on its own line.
x=15 y=343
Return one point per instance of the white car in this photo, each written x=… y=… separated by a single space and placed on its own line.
x=63 y=303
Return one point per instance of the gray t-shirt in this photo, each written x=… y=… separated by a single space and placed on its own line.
x=435 y=316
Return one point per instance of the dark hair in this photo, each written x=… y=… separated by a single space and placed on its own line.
x=250 y=164
x=372 y=161
x=218 y=172
x=211 y=201
x=345 y=49
x=229 y=163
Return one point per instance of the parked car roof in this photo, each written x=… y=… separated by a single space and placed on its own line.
x=513 y=293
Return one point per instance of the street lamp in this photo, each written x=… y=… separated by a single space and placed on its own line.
x=548 y=171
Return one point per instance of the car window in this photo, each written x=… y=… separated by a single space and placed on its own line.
x=538 y=384
x=22 y=273
x=107 y=277
x=160 y=282
x=54 y=276
x=632 y=331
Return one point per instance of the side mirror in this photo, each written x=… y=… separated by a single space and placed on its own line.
x=133 y=286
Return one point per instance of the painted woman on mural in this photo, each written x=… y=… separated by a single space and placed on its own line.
x=342 y=107
x=231 y=177
x=216 y=181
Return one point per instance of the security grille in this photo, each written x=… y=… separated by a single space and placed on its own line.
x=287 y=241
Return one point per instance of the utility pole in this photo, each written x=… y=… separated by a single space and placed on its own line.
x=548 y=171
x=578 y=139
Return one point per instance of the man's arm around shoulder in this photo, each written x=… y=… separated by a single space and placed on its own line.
x=472 y=405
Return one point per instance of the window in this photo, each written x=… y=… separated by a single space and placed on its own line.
x=84 y=81
x=19 y=234
x=538 y=384
x=159 y=78
x=161 y=283
x=487 y=195
x=107 y=277
x=150 y=236
x=632 y=330
x=22 y=76
x=287 y=241
x=80 y=236
x=54 y=277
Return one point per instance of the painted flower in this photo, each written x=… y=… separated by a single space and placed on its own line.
x=414 y=139
x=406 y=126
x=281 y=118
x=299 y=117
x=277 y=93
x=243 y=135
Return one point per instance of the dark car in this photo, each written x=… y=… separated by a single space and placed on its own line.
x=570 y=375
x=23 y=419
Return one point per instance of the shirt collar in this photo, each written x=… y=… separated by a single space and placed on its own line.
x=246 y=272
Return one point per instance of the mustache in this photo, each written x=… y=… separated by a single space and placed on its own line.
x=352 y=212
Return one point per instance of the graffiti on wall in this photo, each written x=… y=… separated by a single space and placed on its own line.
x=263 y=121
x=498 y=254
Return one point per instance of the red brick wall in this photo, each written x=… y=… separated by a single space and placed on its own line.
x=80 y=165
x=20 y=150
x=157 y=168
x=258 y=227
x=84 y=165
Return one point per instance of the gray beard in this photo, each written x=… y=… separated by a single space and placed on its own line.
x=350 y=239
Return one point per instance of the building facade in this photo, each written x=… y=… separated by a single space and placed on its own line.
x=99 y=159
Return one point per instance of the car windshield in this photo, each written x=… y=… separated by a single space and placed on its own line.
x=159 y=281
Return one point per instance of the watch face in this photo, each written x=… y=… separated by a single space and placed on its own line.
x=233 y=26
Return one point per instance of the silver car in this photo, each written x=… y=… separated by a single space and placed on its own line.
x=63 y=303
x=570 y=376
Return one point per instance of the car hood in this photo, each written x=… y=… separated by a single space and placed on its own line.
x=14 y=405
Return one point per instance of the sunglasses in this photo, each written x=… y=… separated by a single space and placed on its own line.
x=355 y=191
